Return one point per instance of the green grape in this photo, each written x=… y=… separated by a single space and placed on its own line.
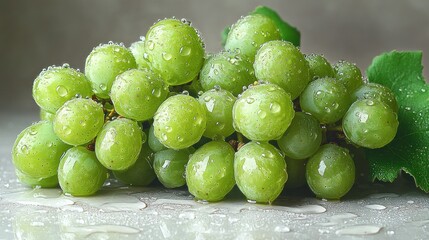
x=78 y=121
x=153 y=142
x=229 y=70
x=169 y=166
x=37 y=151
x=138 y=51
x=296 y=173
x=326 y=99
x=47 y=116
x=119 y=143
x=287 y=32
x=179 y=122
x=330 y=172
x=210 y=171
x=302 y=138
x=349 y=75
x=263 y=112
x=104 y=63
x=224 y=35
x=370 y=123
x=80 y=173
x=218 y=103
x=137 y=94
x=260 y=171
x=319 y=67
x=141 y=173
x=378 y=92
x=175 y=49
x=49 y=182
x=281 y=63
x=56 y=85
x=250 y=32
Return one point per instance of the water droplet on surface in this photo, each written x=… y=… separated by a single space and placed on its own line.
x=168 y=129
x=66 y=65
x=359 y=230
x=281 y=229
x=375 y=207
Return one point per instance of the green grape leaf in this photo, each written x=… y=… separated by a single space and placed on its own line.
x=409 y=151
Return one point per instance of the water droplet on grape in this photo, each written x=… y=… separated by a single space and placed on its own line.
x=24 y=149
x=220 y=125
x=150 y=45
x=66 y=65
x=185 y=51
x=62 y=91
x=275 y=107
x=369 y=102
x=156 y=92
x=66 y=130
x=103 y=87
x=179 y=139
x=164 y=137
x=168 y=129
x=250 y=100
x=166 y=56
x=262 y=114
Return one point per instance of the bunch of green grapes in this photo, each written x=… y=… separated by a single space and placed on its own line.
x=259 y=114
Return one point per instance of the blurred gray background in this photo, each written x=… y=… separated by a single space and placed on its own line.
x=36 y=34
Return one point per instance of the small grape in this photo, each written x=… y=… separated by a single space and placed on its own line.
x=349 y=75
x=119 y=143
x=250 y=32
x=55 y=86
x=140 y=55
x=80 y=173
x=153 y=142
x=295 y=172
x=169 y=166
x=378 y=92
x=302 y=138
x=37 y=151
x=175 y=50
x=218 y=103
x=104 y=63
x=281 y=63
x=137 y=94
x=263 y=112
x=141 y=173
x=330 y=172
x=78 y=121
x=179 y=122
x=260 y=171
x=319 y=67
x=47 y=116
x=229 y=70
x=210 y=172
x=370 y=123
x=34 y=182
x=326 y=99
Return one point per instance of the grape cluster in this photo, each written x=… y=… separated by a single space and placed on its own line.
x=259 y=114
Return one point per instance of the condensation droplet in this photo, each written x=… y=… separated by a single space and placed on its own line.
x=61 y=90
